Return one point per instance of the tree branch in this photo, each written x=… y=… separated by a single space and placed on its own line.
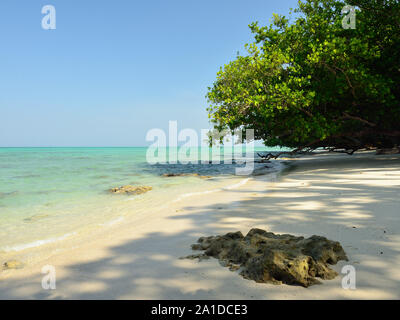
x=347 y=116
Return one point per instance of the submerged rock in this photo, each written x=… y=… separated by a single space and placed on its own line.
x=35 y=218
x=267 y=257
x=169 y=175
x=8 y=194
x=13 y=264
x=128 y=189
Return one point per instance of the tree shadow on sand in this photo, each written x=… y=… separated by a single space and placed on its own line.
x=344 y=209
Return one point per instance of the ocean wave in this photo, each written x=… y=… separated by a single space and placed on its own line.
x=37 y=243
x=229 y=187
x=237 y=185
x=26 y=176
x=112 y=222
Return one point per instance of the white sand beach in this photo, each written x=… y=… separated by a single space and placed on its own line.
x=351 y=199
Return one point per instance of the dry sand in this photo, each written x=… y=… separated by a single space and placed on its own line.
x=351 y=199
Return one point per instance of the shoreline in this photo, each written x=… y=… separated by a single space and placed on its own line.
x=28 y=253
x=322 y=194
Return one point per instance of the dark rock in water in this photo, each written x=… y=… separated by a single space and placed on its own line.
x=8 y=194
x=131 y=189
x=13 y=264
x=35 y=218
x=267 y=257
x=169 y=175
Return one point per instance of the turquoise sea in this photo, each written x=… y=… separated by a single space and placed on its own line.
x=47 y=194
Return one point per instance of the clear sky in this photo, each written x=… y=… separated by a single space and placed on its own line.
x=112 y=70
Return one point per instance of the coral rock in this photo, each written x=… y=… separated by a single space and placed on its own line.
x=131 y=189
x=13 y=264
x=267 y=257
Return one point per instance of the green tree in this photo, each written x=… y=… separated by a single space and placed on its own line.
x=310 y=83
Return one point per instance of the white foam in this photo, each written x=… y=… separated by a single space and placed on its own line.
x=233 y=186
x=37 y=243
x=112 y=222
x=186 y=195
x=237 y=185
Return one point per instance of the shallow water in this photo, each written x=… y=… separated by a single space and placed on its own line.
x=47 y=194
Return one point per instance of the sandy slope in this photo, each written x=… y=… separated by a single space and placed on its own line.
x=355 y=200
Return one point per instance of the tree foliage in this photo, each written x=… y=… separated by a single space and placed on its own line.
x=307 y=82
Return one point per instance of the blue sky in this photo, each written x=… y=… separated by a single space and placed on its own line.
x=112 y=70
